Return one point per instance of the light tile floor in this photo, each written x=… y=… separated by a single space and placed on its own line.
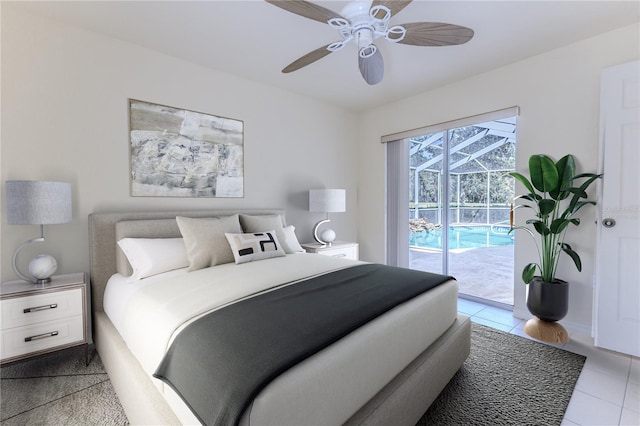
x=608 y=389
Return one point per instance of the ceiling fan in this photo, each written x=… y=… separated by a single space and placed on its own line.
x=365 y=21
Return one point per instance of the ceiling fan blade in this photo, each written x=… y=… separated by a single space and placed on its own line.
x=306 y=9
x=372 y=68
x=307 y=59
x=394 y=6
x=435 y=34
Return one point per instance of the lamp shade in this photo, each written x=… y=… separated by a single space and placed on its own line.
x=327 y=200
x=38 y=202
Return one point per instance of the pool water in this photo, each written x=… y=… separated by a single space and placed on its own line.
x=463 y=237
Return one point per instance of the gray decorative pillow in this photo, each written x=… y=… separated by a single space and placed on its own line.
x=205 y=240
x=261 y=223
x=254 y=246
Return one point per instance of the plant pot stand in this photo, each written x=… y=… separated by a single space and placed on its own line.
x=547 y=331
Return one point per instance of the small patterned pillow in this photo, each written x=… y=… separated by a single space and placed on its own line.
x=254 y=246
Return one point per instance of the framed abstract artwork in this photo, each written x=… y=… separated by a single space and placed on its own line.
x=181 y=153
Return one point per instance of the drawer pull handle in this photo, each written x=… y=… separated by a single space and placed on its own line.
x=40 y=308
x=40 y=336
x=340 y=255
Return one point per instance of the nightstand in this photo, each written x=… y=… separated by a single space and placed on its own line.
x=336 y=249
x=38 y=319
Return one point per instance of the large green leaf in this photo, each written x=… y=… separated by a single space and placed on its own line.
x=544 y=175
x=576 y=259
x=558 y=225
x=579 y=192
x=529 y=272
x=589 y=175
x=546 y=207
x=530 y=197
x=539 y=226
x=581 y=204
x=523 y=180
x=566 y=167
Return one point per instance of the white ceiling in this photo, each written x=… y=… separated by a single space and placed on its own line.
x=255 y=40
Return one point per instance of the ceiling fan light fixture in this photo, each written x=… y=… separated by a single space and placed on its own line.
x=380 y=13
x=338 y=23
x=337 y=45
x=368 y=51
x=396 y=33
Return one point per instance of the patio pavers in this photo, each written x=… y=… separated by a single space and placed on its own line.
x=485 y=272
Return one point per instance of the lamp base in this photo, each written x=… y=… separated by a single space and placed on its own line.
x=43 y=265
x=326 y=237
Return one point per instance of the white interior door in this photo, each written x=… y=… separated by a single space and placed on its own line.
x=617 y=292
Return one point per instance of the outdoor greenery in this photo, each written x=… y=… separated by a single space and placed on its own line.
x=470 y=174
x=556 y=193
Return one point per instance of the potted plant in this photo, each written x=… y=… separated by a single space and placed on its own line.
x=556 y=193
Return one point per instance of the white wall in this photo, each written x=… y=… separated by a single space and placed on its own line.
x=558 y=95
x=64 y=105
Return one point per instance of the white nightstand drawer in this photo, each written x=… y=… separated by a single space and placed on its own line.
x=348 y=252
x=337 y=249
x=37 y=308
x=32 y=338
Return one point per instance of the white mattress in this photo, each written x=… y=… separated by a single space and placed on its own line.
x=148 y=313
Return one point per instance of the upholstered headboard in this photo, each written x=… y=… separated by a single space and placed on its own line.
x=106 y=260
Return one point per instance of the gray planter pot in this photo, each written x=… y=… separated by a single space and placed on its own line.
x=548 y=301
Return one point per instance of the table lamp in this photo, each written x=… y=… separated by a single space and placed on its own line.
x=327 y=201
x=37 y=203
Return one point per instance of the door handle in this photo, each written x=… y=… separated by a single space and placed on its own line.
x=608 y=222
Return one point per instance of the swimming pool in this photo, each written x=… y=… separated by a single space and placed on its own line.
x=461 y=237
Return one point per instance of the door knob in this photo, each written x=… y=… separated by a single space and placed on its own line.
x=609 y=222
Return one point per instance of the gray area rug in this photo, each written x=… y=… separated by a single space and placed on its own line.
x=59 y=389
x=507 y=380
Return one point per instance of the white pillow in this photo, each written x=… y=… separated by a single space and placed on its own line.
x=254 y=246
x=291 y=240
x=152 y=256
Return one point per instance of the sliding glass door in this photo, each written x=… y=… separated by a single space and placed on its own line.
x=459 y=201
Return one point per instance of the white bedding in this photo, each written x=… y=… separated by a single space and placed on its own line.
x=148 y=313
x=119 y=290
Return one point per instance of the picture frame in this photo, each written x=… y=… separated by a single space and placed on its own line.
x=182 y=153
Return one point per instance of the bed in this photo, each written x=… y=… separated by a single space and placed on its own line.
x=355 y=380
